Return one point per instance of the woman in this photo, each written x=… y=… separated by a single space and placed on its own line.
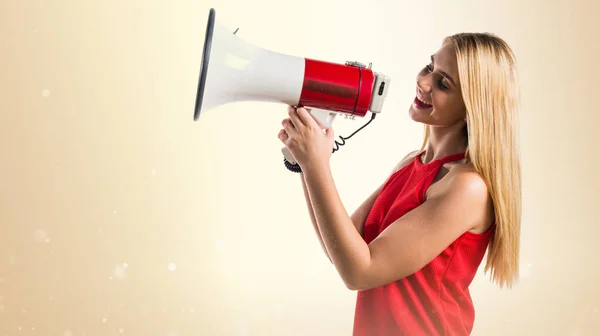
x=413 y=247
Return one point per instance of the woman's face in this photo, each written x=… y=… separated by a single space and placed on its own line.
x=438 y=100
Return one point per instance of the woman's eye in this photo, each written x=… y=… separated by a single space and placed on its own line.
x=441 y=84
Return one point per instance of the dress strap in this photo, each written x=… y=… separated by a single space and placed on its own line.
x=438 y=162
x=452 y=157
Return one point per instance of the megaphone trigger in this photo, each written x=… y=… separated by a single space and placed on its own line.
x=325 y=118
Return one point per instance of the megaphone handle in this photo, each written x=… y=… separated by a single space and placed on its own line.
x=325 y=118
x=289 y=161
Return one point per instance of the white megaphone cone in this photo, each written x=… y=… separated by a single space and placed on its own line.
x=233 y=70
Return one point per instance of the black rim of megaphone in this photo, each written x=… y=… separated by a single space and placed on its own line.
x=205 y=60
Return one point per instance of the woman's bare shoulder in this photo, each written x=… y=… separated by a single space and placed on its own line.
x=465 y=174
x=405 y=160
x=463 y=180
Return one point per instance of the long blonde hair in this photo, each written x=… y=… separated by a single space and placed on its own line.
x=488 y=76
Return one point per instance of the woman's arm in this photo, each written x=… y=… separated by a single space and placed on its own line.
x=311 y=214
x=406 y=245
x=359 y=216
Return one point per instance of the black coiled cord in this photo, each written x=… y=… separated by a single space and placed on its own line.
x=295 y=168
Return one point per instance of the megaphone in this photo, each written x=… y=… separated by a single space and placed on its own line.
x=233 y=70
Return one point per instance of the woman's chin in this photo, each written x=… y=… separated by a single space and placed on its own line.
x=419 y=115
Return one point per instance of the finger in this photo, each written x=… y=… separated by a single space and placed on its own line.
x=288 y=126
x=293 y=113
x=287 y=122
x=293 y=108
x=283 y=136
x=306 y=118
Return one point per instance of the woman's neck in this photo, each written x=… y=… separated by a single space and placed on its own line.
x=444 y=141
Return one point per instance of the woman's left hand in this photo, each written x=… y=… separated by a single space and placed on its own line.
x=305 y=139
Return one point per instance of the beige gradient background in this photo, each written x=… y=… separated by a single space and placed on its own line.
x=120 y=215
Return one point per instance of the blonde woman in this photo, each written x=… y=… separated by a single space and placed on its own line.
x=413 y=247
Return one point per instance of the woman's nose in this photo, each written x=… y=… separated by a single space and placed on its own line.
x=424 y=83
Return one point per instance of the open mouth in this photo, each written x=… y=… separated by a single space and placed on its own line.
x=420 y=103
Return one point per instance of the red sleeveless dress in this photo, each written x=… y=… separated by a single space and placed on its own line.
x=435 y=300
